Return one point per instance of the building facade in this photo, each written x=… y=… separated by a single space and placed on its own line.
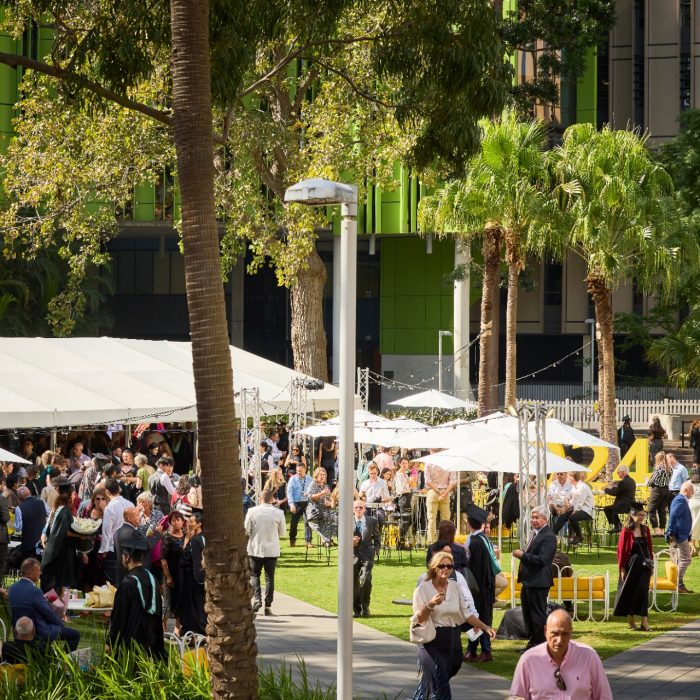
x=645 y=75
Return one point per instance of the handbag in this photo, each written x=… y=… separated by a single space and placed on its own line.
x=422 y=633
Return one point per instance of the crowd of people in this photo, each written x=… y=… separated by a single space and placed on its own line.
x=75 y=519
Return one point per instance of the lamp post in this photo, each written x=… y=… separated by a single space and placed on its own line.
x=592 y=359
x=441 y=335
x=318 y=192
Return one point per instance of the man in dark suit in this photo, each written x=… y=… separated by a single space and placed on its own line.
x=623 y=491
x=31 y=521
x=535 y=574
x=125 y=532
x=366 y=544
x=26 y=600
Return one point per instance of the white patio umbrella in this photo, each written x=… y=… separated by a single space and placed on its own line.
x=493 y=455
x=6 y=456
x=559 y=432
x=433 y=399
x=387 y=434
x=445 y=436
x=331 y=427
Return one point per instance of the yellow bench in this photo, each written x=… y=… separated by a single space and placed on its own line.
x=581 y=588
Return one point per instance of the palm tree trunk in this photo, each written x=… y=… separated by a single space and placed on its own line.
x=309 y=342
x=230 y=630
x=491 y=248
x=511 y=327
x=606 y=363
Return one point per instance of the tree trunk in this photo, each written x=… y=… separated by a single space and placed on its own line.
x=308 y=334
x=606 y=364
x=514 y=267
x=230 y=630
x=488 y=340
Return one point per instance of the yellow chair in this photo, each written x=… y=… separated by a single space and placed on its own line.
x=664 y=584
x=194 y=659
x=14 y=673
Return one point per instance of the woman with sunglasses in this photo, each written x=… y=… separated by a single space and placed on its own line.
x=295 y=457
x=440 y=600
x=635 y=560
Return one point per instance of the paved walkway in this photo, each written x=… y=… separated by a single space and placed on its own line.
x=298 y=628
x=667 y=666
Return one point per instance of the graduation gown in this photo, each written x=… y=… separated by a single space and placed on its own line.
x=137 y=616
x=480 y=566
x=58 y=567
x=193 y=618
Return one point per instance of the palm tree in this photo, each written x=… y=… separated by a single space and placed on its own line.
x=677 y=353
x=504 y=198
x=623 y=222
x=230 y=629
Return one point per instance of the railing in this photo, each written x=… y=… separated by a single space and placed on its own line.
x=561 y=392
x=586 y=413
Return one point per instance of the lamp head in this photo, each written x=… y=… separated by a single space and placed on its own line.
x=319 y=192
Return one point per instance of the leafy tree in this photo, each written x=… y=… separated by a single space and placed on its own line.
x=556 y=35
x=444 y=64
x=506 y=200
x=624 y=223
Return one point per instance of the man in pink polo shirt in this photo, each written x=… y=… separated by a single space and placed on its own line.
x=560 y=669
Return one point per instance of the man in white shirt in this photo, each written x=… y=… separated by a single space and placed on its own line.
x=579 y=507
x=112 y=520
x=264 y=525
x=558 y=494
x=375 y=490
x=678 y=475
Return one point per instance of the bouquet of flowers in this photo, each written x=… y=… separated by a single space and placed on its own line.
x=86 y=526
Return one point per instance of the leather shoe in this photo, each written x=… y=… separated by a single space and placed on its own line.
x=268 y=611
x=365 y=612
x=471 y=657
x=356 y=613
x=256 y=607
x=683 y=589
x=485 y=657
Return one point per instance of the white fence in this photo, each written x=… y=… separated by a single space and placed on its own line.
x=586 y=413
x=560 y=392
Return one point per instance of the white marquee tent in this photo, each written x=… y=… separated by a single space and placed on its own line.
x=55 y=382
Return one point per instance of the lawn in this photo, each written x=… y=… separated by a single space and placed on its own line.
x=316 y=583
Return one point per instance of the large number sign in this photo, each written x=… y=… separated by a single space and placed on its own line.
x=637 y=459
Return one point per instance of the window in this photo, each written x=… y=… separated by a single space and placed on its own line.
x=684 y=71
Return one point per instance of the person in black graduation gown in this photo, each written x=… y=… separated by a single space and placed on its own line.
x=137 y=616
x=481 y=566
x=193 y=617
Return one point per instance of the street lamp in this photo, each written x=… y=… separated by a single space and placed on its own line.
x=592 y=358
x=318 y=192
x=441 y=335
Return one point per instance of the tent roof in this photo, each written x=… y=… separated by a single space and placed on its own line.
x=53 y=382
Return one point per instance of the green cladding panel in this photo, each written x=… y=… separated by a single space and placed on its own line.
x=415 y=298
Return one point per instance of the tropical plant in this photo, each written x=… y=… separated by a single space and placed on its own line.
x=505 y=199
x=677 y=353
x=623 y=221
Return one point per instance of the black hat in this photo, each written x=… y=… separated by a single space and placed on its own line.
x=637 y=507
x=60 y=480
x=626 y=418
x=478 y=514
x=136 y=541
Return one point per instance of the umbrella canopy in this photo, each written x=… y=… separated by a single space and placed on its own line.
x=557 y=431
x=6 y=456
x=387 y=435
x=433 y=399
x=331 y=427
x=493 y=455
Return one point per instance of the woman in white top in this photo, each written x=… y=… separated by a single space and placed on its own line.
x=579 y=507
x=439 y=599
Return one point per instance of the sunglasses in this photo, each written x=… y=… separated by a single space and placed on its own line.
x=560 y=681
x=445 y=566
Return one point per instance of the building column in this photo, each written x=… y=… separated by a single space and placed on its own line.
x=462 y=386
x=336 y=311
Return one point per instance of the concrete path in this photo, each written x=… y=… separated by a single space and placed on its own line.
x=381 y=663
x=667 y=666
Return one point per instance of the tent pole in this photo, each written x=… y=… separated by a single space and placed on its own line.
x=53 y=440
x=459 y=510
x=500 y=511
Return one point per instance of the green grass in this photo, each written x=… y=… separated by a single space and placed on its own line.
x=316 y=583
